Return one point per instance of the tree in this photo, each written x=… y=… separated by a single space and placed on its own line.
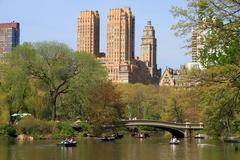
x=105 y=107
x=218 y=23
x=175 y=107
x=181 y=104
x=91 y=76
x=221 y=99
x=52 y=68
x=141 y=100
x=16 y=87
x=160 y=103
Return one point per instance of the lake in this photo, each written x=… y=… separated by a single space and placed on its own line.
x=128 y=148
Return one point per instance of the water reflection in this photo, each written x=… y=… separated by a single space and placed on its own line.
x=173 y=151
x=66 y=153
x=139 y=140
x=237 y=148
x=198 y=141
x=128 y=148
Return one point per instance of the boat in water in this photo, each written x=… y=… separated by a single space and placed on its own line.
x=67 y=143
x=117 y=135
x=199 y=136
x=108 y=138
x=174 y=140
x=232 y=140
x=140 y=135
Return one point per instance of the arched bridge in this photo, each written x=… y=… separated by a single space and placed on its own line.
x=179 y=130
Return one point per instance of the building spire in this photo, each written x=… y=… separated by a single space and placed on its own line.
x=149 y=47
x=149 y=23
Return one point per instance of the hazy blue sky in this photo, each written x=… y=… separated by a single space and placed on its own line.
x=56 y=20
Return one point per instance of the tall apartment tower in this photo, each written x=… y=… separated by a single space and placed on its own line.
x=9 y=37
x=120 y=44
x=149 y=48
x=120 y=34
x=196 y=44
x=88 y=32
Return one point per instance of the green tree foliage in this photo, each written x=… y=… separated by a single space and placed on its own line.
x=16 y=87
x=140 y=100
x=164 y=103
x=218 y=23
x=74 y=104
x=220 y=99
x=181 y=105
x=41 y=77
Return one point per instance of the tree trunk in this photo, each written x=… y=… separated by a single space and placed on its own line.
x=53 y=103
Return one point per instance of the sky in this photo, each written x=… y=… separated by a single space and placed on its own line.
x=56 y=20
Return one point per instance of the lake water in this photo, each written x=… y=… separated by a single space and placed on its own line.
x=128 y=148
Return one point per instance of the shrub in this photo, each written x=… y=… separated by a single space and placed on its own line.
x=3 y=130
x=32 y=126
x=39 y=128
x=64 y=129
x=8 y=130
x=11 y=131
x=81 y=126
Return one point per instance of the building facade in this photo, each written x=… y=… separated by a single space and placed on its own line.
x=119 y=59
x=9 y=37
x=88 y=29
x=120 y=44
x=178 y=78
x=149 y=48
x=120 y=34
x=196 y=44
x=169 y=77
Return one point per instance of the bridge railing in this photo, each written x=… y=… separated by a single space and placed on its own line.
x=186 y=125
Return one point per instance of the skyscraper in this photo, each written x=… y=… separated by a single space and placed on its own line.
x=9 y=37
x=196 y=44
x=149 y=48
x=120 y=44
x=120 y=34
x=88 y=32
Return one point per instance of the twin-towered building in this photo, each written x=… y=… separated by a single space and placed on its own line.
x=120 y=62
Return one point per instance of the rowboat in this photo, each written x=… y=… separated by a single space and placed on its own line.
x=199 y=136
x=67 y=143
x=174 y=142
x=108 y=138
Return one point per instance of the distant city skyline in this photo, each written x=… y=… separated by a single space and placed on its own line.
x=57 y=21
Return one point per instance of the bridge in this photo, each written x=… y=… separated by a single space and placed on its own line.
x=179 y=130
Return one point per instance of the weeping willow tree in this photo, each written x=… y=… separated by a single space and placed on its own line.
x=41 y=78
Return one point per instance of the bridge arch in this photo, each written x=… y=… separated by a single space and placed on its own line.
x=175 y=132
x=179 y=130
